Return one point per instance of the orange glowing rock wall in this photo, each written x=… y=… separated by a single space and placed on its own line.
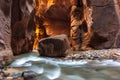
x=52 y=18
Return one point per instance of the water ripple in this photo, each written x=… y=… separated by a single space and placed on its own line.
x=30 y=60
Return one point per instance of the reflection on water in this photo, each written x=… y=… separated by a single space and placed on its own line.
x=58 y=69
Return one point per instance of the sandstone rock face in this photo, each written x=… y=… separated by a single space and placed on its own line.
x=106 y=23
x=23 y=27
x=54 y=16
x=5 y=30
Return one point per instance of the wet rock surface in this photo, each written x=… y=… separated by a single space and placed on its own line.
x=12 y=73
x=7 y=73
x=30 y=75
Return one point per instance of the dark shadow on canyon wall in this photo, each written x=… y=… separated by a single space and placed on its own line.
x=23 y=26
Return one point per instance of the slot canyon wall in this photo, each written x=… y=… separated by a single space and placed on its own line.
x=17 y=27
x=22 y=26
x=106 y=22
x=5 y=30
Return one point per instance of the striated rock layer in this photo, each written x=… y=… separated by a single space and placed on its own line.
x=55 y=20
x=106 y=23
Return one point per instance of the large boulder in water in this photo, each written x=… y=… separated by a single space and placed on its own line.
x=56 y=46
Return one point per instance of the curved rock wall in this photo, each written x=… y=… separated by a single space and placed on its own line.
x=105 y=23
x=55 y=16
x=5 y=30
x=23 y=27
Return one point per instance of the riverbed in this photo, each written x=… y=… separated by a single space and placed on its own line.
x=60 y=69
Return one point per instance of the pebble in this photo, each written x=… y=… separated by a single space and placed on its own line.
x=95 y=54
x=5 y=75
x=16 y=75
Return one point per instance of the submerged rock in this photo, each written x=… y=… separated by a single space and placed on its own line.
x=29 y=75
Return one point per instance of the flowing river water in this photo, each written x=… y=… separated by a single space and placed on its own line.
x=59 y=69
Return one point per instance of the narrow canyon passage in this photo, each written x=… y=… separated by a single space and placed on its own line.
x=56 y=26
